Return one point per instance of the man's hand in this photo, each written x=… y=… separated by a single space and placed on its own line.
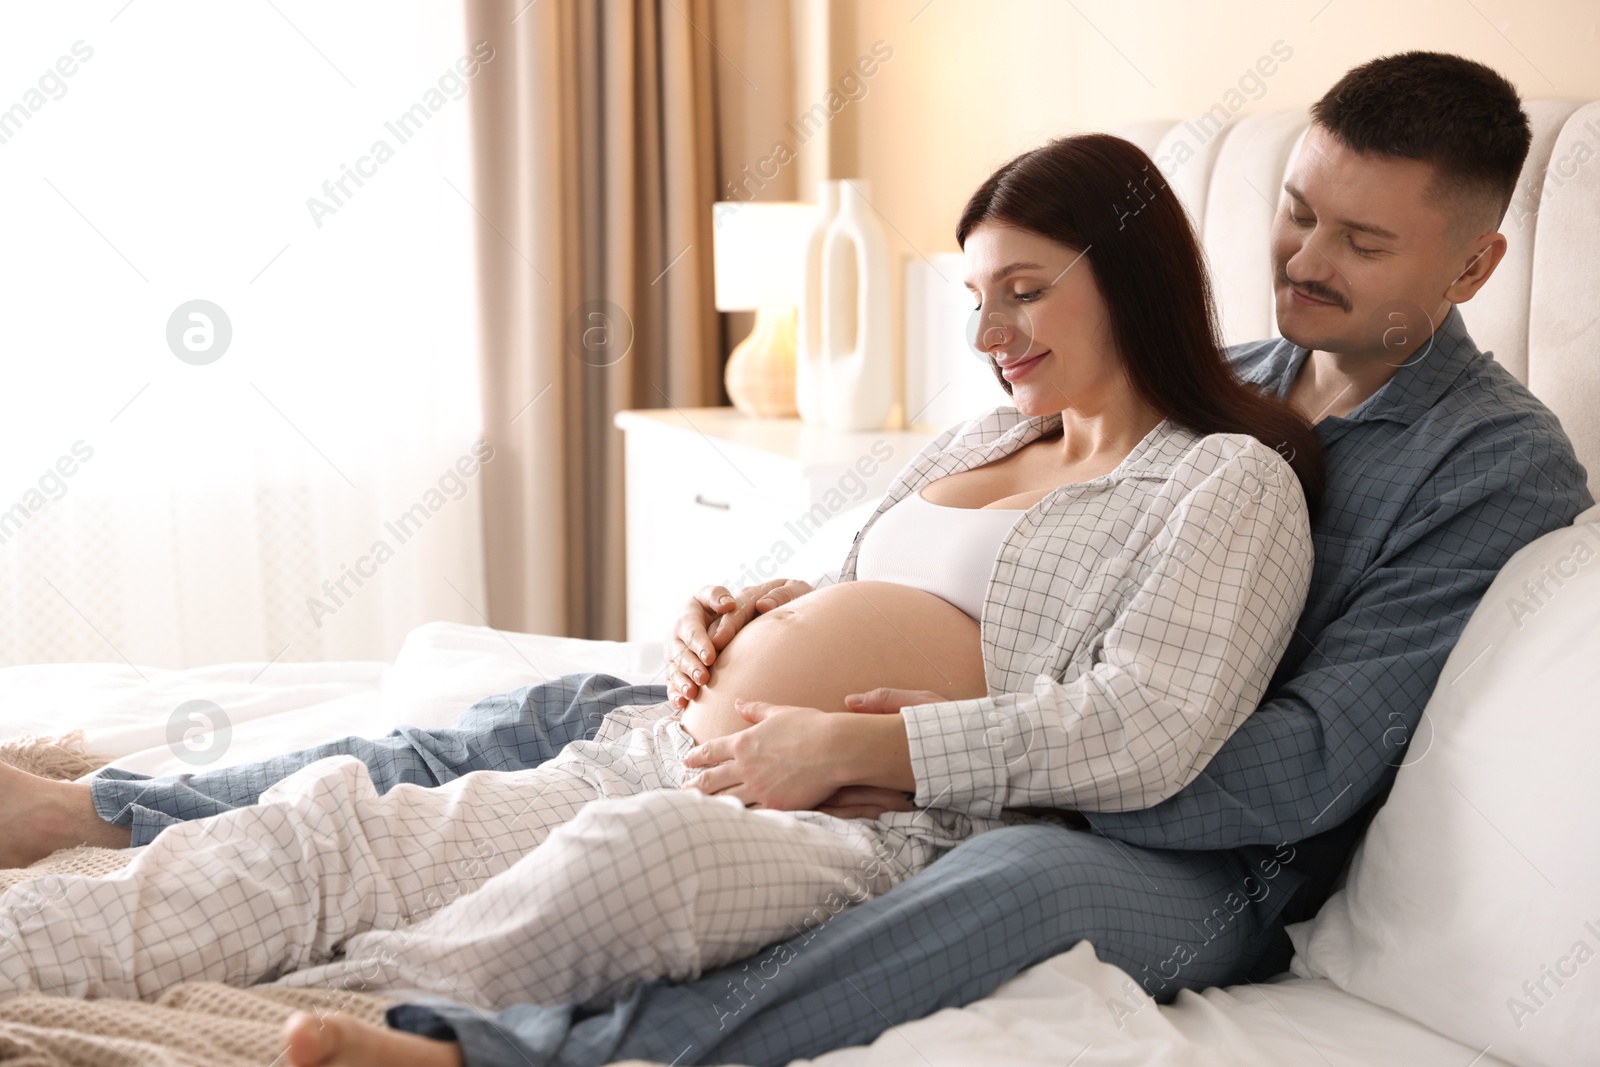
x=886 y=701
x=709 y=620
x=865 y=802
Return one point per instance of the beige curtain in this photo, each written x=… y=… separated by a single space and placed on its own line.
x=603 y=132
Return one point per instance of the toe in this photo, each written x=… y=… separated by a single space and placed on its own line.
x=310 y=1042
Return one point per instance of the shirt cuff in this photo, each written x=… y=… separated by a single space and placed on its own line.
x=961 y=754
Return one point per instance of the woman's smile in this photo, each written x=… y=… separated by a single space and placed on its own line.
x=1017 y=370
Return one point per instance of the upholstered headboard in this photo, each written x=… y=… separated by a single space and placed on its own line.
x=1540 y=312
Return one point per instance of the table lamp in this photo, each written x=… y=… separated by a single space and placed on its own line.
x=758 y=252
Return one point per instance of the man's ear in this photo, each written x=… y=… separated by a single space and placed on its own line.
x=1482 y=258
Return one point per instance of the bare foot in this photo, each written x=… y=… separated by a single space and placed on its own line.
x=38 y=816
x=340 y=1041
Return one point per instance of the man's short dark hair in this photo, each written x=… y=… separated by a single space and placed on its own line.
x=1462 y=117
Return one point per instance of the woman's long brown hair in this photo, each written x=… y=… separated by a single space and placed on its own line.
x=1100 y=195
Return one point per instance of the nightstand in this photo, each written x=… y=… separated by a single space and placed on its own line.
x=713 y=496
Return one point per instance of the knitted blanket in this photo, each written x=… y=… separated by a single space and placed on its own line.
x=198 y=1024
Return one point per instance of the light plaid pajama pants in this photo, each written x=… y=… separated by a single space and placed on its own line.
x=570 y=882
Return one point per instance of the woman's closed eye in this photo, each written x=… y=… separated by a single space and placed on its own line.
x=1026 y=298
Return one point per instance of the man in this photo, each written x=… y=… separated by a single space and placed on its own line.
x=1440 y=466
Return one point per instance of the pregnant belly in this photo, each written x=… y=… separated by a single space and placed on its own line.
x=841 y=639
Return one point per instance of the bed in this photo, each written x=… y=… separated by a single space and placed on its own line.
x=1346 y=1001
x=1047 y=1015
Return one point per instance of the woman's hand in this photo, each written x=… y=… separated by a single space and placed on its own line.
x=709 y=620
x=782 y=761
x=795 y=758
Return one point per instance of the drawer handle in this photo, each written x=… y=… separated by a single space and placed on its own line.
x=698 y=499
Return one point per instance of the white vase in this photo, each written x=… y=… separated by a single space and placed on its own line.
x=808 y=383
x=857 y=377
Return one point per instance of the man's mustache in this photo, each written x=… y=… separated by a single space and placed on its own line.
x=1314 y=289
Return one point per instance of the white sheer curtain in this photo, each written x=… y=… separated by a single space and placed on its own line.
x=313 y=492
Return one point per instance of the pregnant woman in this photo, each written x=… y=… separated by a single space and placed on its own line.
x=1077 y=598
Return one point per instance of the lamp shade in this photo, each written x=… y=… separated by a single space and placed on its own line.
x=758 y=250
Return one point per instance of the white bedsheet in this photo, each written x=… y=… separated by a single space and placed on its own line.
x=1069 y=1010
x=1074 y=1011
x=125 y=713
x=442 y=669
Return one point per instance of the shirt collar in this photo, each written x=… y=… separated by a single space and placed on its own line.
x=1419 y=383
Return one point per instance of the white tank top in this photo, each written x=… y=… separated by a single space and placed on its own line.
x=944 y=550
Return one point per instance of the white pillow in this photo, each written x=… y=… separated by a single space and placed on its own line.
x=1473 y=902
x=444 y=667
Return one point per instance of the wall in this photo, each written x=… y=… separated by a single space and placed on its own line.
x=973 y=83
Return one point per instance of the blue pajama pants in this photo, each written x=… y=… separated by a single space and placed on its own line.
x=992 y=907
